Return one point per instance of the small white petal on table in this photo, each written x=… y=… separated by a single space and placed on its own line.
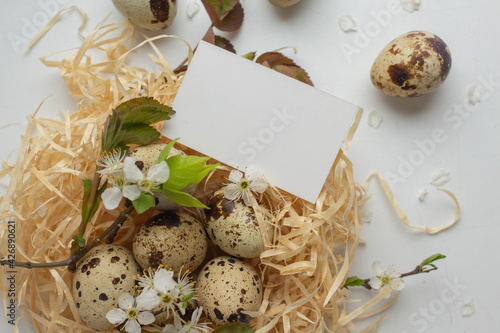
x=474 y=95
x=192 y=8
x=410 y=5
x=374 y=119
x=440 y=178
x=347 y=23
x=422 y=194
x=467 y=309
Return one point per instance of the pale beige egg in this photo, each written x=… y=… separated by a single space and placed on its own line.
x=227 y=287
x=413 y=64
x=102 y=275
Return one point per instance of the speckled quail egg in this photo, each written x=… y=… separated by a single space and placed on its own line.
x=284 y=3
x=146 y=157
x=100 y=278
x=413 y=64
x=148 y=14
x=172 y=239
x=227 y=287
x=233 y=226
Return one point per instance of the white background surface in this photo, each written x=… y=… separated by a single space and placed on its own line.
x=469 y=152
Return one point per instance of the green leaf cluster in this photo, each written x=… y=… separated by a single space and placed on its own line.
x=129 y=123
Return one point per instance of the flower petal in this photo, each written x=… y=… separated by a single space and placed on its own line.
x=399 y=284
x=247 y=197
x=147 y=300
x=231 y=192
x=253 y=173
x=145 y=318
x=159 y=173
x=131 y=192
x=259 y=185
x=116 y=316
x=377 y=268
x=375 y=282
x=164 y=281
x=132 y=326
x=235 y=176
x=169 y=328
x=132 y=172
x=111 y=197
x=126 y=301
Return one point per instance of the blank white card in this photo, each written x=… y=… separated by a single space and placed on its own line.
x=242 y=114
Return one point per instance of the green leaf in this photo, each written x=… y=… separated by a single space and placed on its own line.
x=184 y=170
x=234 y=328
x=353 y=281
x=203 y=173
x=144 y=110
x=165 y=151
x=143 y=203
x=182 y=198
x=188 y=297
x=431 y=259
x=140 y=134
x=232 y=21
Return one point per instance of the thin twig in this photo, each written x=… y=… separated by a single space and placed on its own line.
x=74 y=259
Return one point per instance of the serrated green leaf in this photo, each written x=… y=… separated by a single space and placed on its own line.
x=224 y=44
x=144 y=110
x=234 y=328
x=353 y=281
x=182 y=198
x=430 y=259
x=144 y=202
x=219 y=7
x=140 y=134
x=233 y=20
x=284 y=65
x=165 y=151
x=184 y=170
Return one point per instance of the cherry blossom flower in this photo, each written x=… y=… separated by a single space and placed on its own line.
x=132 y=312
x=111 y=162
x=157 y=175
x=388 y=278
x=243 y=186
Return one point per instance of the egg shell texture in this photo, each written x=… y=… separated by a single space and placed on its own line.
x=102 y=275
x=233 y=226
x=146 y=157
x=413 y=64
x=227 y=287
x=171 y=239
x=148 y=14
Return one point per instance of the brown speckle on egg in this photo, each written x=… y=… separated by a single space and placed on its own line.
x=148 y=14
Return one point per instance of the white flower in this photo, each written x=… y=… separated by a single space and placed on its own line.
x=111 y=162
x=385 y=278
x=244 y=186
x=146 y=281
x=157 y=174
x=190 y=327
x=165 y=296
x=121 y=187
x=133 y=312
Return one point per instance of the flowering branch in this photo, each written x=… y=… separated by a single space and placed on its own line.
x=390 y=277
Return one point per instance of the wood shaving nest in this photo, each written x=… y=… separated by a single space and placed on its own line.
x=303 y=268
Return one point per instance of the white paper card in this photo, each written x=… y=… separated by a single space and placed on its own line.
x=242 y=113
